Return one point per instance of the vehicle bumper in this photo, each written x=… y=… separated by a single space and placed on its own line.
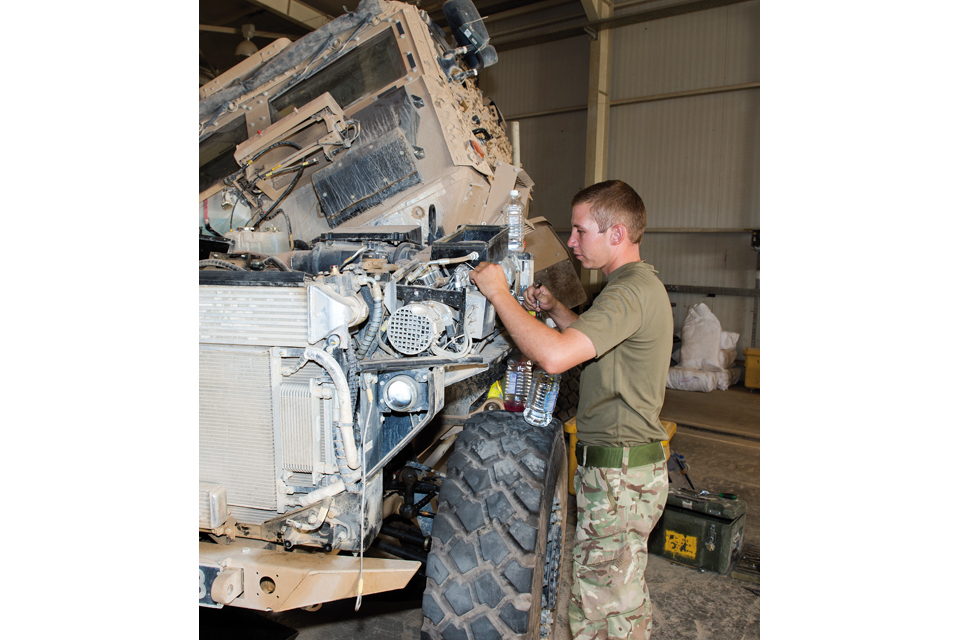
x=269 y=580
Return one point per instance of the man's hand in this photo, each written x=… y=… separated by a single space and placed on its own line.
x=490 y=279
x=541 y=294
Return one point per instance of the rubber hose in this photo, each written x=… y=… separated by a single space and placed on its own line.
x=333 y=368
x=274 y=260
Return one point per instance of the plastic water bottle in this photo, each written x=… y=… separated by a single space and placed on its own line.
x=516 y=384
x=514 y=210
x=542 y=398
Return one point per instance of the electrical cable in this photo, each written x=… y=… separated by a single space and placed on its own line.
x=223 y=264
x=363 y=487
x=382 y=344
x=219 y=113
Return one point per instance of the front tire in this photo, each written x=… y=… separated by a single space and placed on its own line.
x=494 y=566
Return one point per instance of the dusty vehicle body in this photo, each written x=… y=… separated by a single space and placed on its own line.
x=348 y=182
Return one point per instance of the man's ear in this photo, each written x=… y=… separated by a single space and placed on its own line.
x=619 y=233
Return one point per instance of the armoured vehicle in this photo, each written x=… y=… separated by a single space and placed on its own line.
x=349 y=181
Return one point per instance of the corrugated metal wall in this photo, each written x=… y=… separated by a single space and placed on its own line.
x=553 y=147
x=695 y=160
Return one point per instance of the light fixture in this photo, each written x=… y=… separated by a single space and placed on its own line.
x=246 y=48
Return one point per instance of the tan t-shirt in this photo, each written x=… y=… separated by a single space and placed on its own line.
x=621 y=391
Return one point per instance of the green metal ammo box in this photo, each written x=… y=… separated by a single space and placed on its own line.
x=704 y=532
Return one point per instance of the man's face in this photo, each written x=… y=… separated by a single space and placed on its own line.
x=590 y=247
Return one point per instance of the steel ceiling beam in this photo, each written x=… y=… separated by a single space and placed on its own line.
x=256 y=34
x=586 y=26
x=295 y=12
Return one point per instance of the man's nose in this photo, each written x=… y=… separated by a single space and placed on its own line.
x=570 y=241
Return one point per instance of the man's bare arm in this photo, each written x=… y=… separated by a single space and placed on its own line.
x=555 y=351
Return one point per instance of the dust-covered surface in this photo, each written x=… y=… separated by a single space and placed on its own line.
x=687 y=604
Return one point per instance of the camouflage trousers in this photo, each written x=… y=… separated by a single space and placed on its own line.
x=616 y=510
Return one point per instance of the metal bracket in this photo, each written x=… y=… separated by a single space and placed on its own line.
x=330 y=313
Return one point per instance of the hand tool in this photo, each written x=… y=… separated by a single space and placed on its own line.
x=726 y=496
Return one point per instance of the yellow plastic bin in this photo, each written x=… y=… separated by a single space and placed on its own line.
x=751 y=378
x=570 y=427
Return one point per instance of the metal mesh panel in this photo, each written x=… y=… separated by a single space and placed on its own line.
x=236 y=425
x=410 y=332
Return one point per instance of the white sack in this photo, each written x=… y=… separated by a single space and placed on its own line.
x=729 y=339
x=727 y=378
x=700 y=336
x=727 y=358
x=691 y=379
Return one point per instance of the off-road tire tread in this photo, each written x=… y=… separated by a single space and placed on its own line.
x=499 y=470
x=569 y=395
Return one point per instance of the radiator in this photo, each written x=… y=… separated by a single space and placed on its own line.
x=248 y=447
x=236 y=425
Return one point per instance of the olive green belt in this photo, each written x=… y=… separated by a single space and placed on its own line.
x=612 y=457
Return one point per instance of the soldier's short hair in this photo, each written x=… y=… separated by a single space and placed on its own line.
x=615 y=202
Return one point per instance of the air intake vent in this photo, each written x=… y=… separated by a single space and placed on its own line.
x=267 y=316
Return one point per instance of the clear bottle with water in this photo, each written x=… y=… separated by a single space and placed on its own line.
x=514 y=211
x=516 y=384
x=542 y=398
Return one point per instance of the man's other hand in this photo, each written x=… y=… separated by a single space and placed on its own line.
x=533 y=294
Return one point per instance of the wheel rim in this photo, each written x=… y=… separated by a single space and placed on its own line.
x=552 y=564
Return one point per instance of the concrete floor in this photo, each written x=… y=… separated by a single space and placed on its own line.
x=718 y=434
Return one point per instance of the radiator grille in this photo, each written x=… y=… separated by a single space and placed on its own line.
x=236 y=425
x=268 y=316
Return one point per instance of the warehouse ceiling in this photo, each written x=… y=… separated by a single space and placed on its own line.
x=511 y=23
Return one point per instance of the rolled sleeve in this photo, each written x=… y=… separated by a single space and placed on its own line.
x=613 y=317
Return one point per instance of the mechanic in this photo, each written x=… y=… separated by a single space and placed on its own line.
x=625 y=338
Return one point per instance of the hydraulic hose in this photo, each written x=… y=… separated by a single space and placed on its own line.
x=293 y=183
x=345 y=424
x=282 y=143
